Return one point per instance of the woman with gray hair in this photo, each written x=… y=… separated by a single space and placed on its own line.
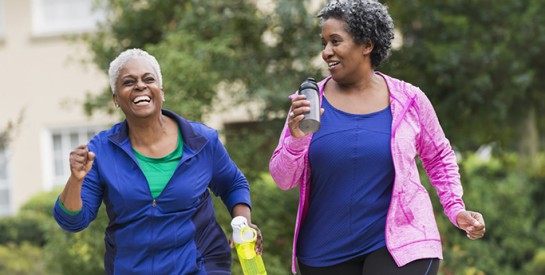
x=362 y=208
x=153 y=172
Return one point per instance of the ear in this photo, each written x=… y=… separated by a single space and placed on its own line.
x=368 y=47
x=162 y=94
x=114 y=99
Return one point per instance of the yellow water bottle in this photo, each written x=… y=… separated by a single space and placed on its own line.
x=244 y=238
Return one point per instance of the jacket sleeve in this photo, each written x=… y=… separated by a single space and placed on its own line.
x=91 y=196
x=228 y=182
x=438 y=159
x=288 y=162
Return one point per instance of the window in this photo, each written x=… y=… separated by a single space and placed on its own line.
x=4 y=184
x=54 y=17
x=60 y=143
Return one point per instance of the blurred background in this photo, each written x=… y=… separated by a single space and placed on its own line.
x=232 y=64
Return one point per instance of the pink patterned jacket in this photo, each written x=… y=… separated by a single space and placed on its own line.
x=411 y=229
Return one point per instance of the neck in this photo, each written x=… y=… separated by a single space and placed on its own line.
x=148 y=131
x=366 y=82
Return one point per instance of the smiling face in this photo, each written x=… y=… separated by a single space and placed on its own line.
x=346 y=60
x=138 y=92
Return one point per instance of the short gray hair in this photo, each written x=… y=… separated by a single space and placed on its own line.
x=121 y=60
x=367 y=21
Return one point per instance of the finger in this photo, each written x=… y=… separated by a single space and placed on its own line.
x=298 y=98
x=478 y=217
x=475 y=236
x=231 y=243
x=259 y=240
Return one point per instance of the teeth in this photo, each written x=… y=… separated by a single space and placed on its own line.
x=331 y=64
x=142 y=98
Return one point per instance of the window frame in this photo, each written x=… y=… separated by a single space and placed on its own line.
x=5 y=183
x=46 y=25
x=52 y=155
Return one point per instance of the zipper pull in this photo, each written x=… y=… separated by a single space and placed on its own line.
x=154 y=203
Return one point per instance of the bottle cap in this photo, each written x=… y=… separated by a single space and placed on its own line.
x=242 y=233
x=309 y=83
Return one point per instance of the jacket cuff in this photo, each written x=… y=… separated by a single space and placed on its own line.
x=67 y=218
x=241 y=196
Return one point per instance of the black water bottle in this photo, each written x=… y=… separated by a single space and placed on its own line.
x=311 y=122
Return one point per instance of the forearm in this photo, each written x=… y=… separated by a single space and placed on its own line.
x=287 y=163
x=243 y=210
x=70 y=197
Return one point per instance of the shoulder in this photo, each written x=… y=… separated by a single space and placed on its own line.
x=402 y=90
x=203 y=129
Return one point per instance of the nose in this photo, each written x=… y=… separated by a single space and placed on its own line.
x=327 y=51
x=141 y=85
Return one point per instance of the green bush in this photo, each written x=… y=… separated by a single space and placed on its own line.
x=274 y=211
x=27 y=226
x=79 y=253
x=506 y=197
x=22 y=259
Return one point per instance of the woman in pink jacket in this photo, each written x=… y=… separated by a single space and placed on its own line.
x=362 y=208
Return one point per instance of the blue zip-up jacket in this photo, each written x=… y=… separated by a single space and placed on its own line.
x=175 y=233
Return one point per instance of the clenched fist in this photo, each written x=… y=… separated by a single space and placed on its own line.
x=81 y=161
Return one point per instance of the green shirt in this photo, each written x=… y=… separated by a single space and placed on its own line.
x=158 y=171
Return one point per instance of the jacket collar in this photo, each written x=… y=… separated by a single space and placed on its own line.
x=401 y=97
x=192 y=139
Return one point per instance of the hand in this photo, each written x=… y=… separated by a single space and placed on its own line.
x=472 y=223
x=81 y=161
x=258 y=241
x=299 y=106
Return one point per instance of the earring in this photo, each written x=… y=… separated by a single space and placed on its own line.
x=116 y=105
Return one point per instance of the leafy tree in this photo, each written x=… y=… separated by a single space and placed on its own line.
x=480 y=62
x=10 y=130
x=204 y=45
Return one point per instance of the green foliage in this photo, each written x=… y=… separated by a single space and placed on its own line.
x=27 y=227
x=251 y=52
x=478 y=61
x=22 y=259
x=42 y=246
x=77 y=253
x=507 y=199
x=537 y=266
x=273 y=211
x=251 y=144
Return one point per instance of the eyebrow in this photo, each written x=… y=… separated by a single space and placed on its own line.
x=132 y=76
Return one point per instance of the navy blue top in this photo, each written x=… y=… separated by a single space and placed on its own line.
x=352 y=174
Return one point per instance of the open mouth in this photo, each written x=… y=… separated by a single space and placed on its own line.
x=142 y=100
x=332 y=64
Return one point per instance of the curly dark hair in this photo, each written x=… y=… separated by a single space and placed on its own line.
x=367 y=21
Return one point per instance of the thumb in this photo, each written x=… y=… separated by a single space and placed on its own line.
x=91 y=156
x=90 y=160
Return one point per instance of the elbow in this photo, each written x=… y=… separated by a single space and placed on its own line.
x=70 y=223
x=283 y=182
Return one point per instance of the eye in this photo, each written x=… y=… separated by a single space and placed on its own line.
x=128 y=82
x=149 y=80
